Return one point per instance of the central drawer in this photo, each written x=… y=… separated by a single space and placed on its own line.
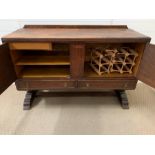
x=107 y=84
x=23 y=84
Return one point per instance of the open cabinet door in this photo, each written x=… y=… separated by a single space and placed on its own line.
x=146 y=71
x=7 y=73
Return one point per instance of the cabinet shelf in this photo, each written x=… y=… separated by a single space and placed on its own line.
x=43 y=60
x=45 y=72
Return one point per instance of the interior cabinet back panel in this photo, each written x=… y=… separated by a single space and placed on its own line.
x=30 y=46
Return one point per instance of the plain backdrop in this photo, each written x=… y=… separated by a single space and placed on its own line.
x=77 y=9
x=145 y=26
x=77 y=145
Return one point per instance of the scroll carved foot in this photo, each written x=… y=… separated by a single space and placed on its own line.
x=123 y=98
x=29 y=97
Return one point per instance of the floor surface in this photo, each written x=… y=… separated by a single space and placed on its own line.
x=78 y=114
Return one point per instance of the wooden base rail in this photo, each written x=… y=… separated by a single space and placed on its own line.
x=30 y=95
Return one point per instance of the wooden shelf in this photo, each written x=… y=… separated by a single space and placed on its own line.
x=43 y=60
x=45 y=72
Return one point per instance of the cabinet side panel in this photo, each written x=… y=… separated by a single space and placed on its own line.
x=7 y=73
x=146 y=71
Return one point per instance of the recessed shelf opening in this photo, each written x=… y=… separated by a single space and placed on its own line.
x=42 y=63
x=113 y=59
x=45 y=72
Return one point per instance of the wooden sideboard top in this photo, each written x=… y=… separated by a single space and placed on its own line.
x=101 y=33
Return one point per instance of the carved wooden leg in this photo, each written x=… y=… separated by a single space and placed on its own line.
x=28 y=99
x=123 y=98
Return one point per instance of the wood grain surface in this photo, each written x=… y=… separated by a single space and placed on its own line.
x=146 y=72
x=7 y=73
x=76 y=33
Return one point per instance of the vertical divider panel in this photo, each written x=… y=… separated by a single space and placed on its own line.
x=77 y=57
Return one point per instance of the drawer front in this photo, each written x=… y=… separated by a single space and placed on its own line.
x=107 y=84
x=44 y=84
x=30 y=46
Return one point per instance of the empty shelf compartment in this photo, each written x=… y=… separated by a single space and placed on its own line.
x=45 y=71
x=43 y=60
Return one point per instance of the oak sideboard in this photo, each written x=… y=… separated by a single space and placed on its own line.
x=76 y=58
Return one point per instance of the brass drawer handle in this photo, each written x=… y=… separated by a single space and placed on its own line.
x=65 y=84
x=87 y=85
x=125 y=85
